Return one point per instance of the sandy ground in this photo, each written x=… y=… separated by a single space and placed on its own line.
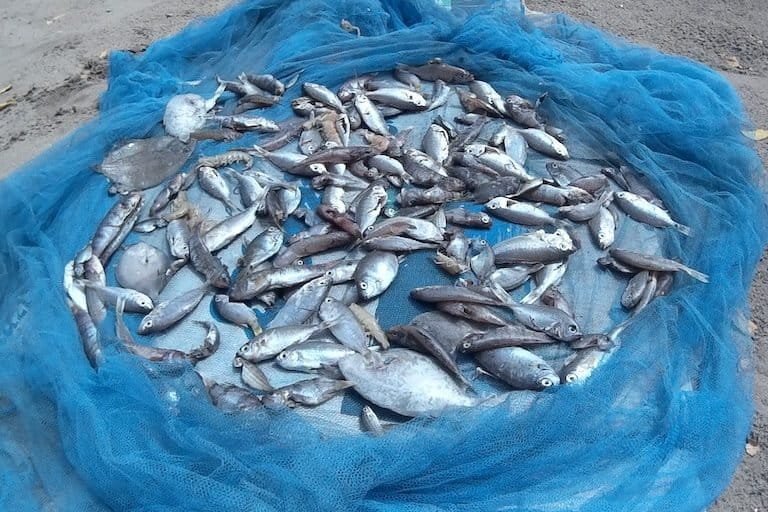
x=53 y=55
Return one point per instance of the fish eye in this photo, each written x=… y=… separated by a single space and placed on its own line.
x=485 y=219
x=148 y=323
x=282 y=355
x=245 y=349
x=467 y=345
x=328 y=300
x=300 y=262
x=555 y=165
x=493 y=206
x=546 y=382
x=272 y=229
x=572 y=328
x=329 y=274
x=571 y=377
x=369 y=229
x=363 y=285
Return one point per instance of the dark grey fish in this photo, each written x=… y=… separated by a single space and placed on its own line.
x=453 y=294
x=634 y=290
x=310 y=392
x=170 y=312
x=115 y=226
x=237 y=313
x=474 y=312
x=436 y=69
x=261 y=248
x=311 y=246
x=463 y=217
x=655 y=263
x=202 y=260
x=509 y=335
x=518 y=368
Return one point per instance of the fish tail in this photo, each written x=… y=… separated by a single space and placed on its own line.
x=699 y=276
x=682 y=228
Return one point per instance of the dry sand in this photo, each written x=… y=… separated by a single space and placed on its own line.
x=53 y=55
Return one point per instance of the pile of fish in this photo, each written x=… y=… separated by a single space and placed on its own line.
x=382 y=197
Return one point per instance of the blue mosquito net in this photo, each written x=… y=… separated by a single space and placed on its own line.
x=659 y=426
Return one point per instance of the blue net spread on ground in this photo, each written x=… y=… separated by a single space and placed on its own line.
x=660 y=426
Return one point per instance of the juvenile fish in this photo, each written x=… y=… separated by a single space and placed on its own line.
x=216 y=186
x=474 y=312
x=535 y=247
x=170 y=312
x=438 y=293
x=282 y=200
x=510 y=278
x=436 y=69
x=370 y=114
x=168 y=193
x=323 y=95
x=375 y=273
x=274 y=340
x=518 y=368
x=440 y=94
x=252 y=376
x=398 y=97
x=546 y=278
x=223 y=233
x=230 y=398
x=312 y=245
x=396 y=244
x=214 y=271
x=603 y=228
x=586 y=211
x=135 y=301
x=115 y=226
x=646 y=212
x=265 y=245
x=303 y=303
x=634 y=290
x=369 y=206
x=522 y=111
x=89 y=335
x=434 y=195
x=463 y=217
x=544 y=143
x=655 y=263
x=224 y=159
x=313 y=356
x=435 y=143
x=371 y=422
x=509 y=335
x=310 y=392
x=418 y=229
x=406 y=77
x=518 y=212
x=487 y=93
x=343 y=325
x=582 y=365
x=236 y=313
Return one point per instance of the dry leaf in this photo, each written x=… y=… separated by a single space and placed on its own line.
x=760 y=134
x=6 y=104
x=103 y=55
x=6 y=88
x=732 y=61
x=752 y=449
x=752 y=327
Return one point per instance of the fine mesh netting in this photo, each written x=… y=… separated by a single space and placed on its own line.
x=659 y=426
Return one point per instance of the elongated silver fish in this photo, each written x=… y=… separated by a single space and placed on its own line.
x=274 y=340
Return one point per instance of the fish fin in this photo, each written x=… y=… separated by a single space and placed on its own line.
x=255 y=328
x=699 y=276
x=330 y=371
x=685 y=230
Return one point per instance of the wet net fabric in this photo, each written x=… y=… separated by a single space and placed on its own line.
x=659 y=426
